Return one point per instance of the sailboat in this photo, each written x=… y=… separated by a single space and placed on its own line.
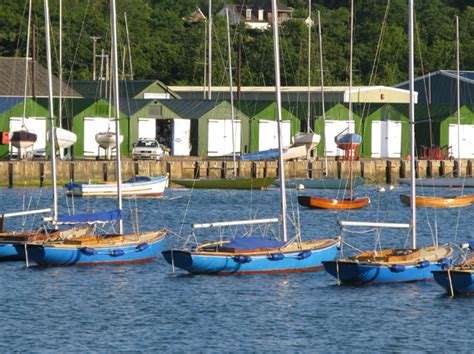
x=447 y=201
x=253 y=255
x=23 y=139
x=348 y=142
x=458 y=279
x=397 y=264
x=96 y=248
x=234 y=182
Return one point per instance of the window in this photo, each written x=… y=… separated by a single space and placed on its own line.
x=155 y=111
x=248 y=14
x=147 y=143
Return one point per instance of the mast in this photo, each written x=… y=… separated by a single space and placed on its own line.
x=411 y=78
x=309 y=23
x=351 y=155
x=25 y=92
x=51 y=110
x=60 y=103
x=458 y=89
x=205 y=60
x=232 y=113
x=350 y=61
x=128 y=46
x=113 y=14
x=322 y=92
x=209 y=53
x=281 y=169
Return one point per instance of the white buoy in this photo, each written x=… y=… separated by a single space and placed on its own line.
x=391 y=187
x=300 y=187
x=382 y=189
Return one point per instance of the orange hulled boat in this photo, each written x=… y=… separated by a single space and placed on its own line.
x=332 y=203
x=439 y=202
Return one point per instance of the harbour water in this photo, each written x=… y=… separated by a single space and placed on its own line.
x=148 y=308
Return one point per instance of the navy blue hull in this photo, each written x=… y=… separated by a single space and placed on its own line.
x=350 y=272
x=462 y=281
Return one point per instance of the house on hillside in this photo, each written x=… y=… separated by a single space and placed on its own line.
x=256 y=14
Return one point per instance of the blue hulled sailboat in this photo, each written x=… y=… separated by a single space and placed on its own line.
x=394 y=265
x=93 y=247
x=253 y=255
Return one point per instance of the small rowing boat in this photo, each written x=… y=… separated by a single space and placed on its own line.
x=332 y=203
x=439 y=202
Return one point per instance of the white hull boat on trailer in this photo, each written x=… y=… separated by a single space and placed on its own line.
x=107 y=140
x=307 y=139
x=65 y=138
x=140 y=186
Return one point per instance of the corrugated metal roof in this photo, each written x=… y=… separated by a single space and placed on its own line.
x=191 y=109
x=132 y=106
x=466 y=76
x=129 y=89
x=100 y=88
x=12 y=79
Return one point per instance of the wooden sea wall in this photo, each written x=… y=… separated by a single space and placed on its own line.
x=37 y=173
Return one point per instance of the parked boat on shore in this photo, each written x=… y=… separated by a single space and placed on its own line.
x=225 y=183
x=138 y=186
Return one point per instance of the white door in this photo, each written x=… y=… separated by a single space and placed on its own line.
x=146 y=128
x=181 y=137
x=466 y=133
x=386 y=139
x=92 y=126
x=36 y=125
x=394 y=138
x=268 y=134
x=220 y=137
x=376 y=143
x=332 y=128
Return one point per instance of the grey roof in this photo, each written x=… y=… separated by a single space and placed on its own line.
x=12 y=79
x=466 y=76
x=190 y=109
x=132 y=106
x=100 y=88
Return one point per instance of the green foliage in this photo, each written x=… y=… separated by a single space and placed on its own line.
x=166 y=45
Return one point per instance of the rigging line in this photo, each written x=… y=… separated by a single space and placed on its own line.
x=79 y=38
x=376 y=63
x=428 y=99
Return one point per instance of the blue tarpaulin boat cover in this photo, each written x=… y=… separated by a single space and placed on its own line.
x=251 y=243
x=90 y=218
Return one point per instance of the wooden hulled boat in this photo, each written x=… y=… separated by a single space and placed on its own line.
x=459 y=182
x=226 y=183
x=438 y=202
x=332 y=203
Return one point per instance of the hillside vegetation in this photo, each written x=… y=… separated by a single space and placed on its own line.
x=167 y=46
